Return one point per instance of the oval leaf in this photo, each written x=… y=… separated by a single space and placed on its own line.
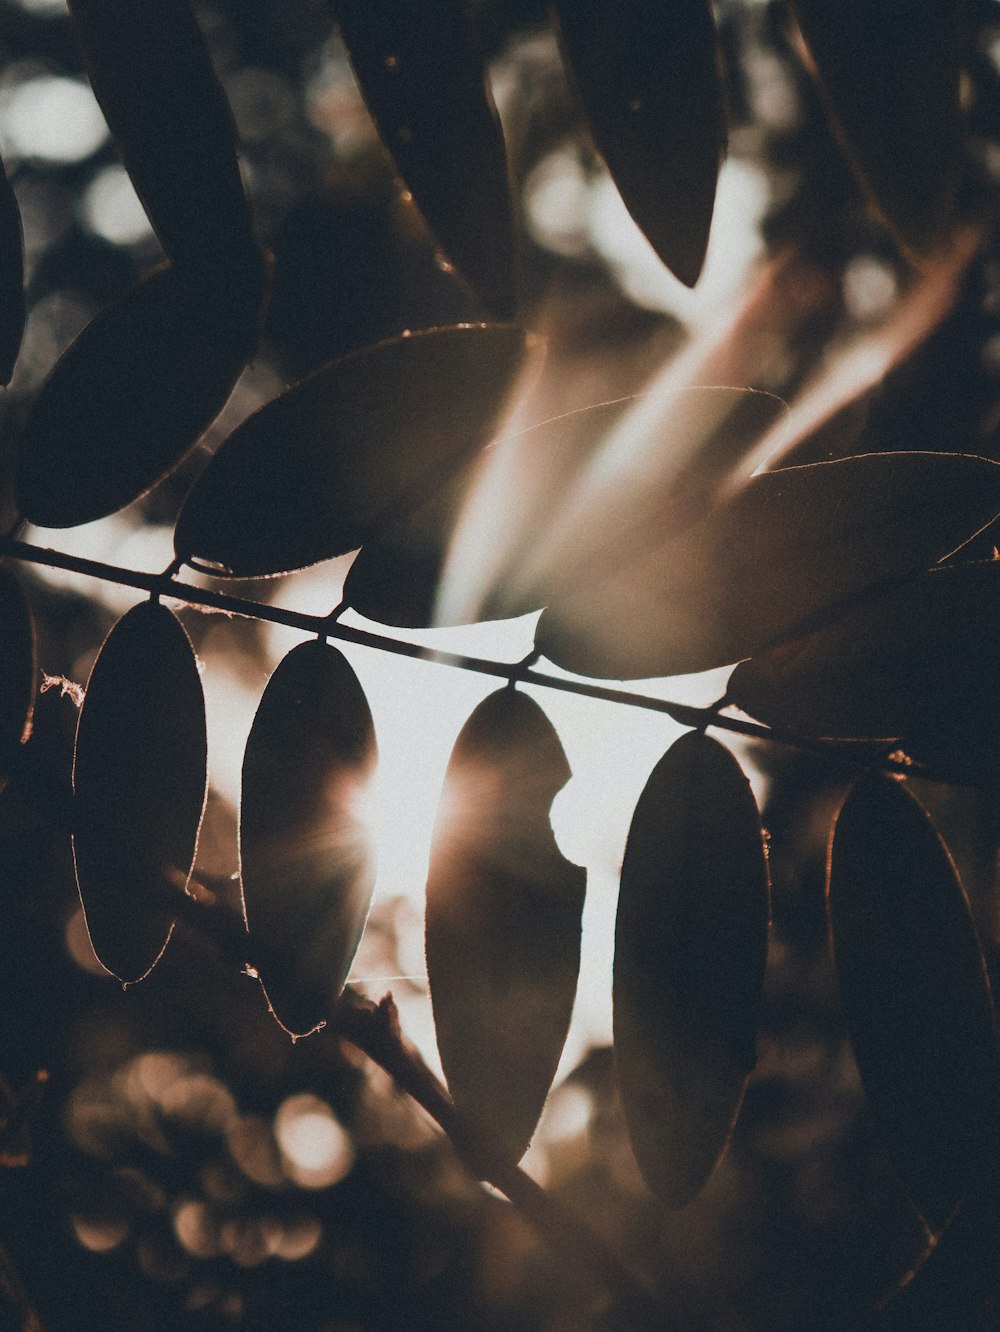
x=648 y=77
x=503 y=921
x=122 y=407
x=151 y=73
x=915 y=994
x=349 y=451
x=12 y=309
x=789 y=545
x=425 y=85
x=307 y=860
x=139 y=781
x=890 y=79
x=18 y=670
x=923 y=656
x=690 y=947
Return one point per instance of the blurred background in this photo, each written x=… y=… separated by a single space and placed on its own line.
x=190 y=1167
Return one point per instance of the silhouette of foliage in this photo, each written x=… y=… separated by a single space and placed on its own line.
x=618 y=493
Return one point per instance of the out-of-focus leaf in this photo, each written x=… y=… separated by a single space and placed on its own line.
x=503 y=920
x=425 y=85
x=788 y=545
x=139 y=781
x=349 y=450
x=12 y=310
x=123 y=405
x=921 y=661
x=151 y=73
x=690 y=947
x=18 y=671
x=890 y=79
x=915 y=994
x=648 y=78
x=307 y=860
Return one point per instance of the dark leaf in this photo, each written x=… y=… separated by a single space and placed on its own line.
x=12 y=310
x=690 y=947
x=139 y=780
x=788 y=545
x=921 y=661
x=890 y=79
x=648 y=76
x=151 y=73
x=307 y=860
x=18 y=671
x=121 y=408
x=503 y=920
x=915 y=994
x=426 y=87
x=349 y=450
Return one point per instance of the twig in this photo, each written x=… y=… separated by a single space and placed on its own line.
x=165 y=585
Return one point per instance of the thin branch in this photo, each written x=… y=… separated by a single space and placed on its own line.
x=165 y=585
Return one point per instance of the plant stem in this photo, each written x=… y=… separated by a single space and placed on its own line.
x=166 y=585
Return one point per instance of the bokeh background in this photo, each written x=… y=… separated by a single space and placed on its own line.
x=190 y=1167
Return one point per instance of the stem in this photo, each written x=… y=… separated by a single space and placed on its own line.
x=374 y=1029
x=165 y=585
x=15 y=1298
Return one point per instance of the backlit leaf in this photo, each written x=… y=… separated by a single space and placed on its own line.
x=425 y=85
x=123 y=405
x=503 y=920
x=349 y=450
x=12 y=309
x=151 y=73
x=18 y=671
x=139 y=782
x=915 y=994
x=307 y=860
x=921 y=660
x=788 y=545
x=690 y=947
x=649 y=80
x=890 y=79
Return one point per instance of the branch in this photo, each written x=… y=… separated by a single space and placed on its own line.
x=850 y=758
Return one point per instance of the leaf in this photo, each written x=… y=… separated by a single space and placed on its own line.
x=12 y=309
x=690 y=947
x=648 y=77
x=307 y=861
x=915 y=994
x=789 y=545
x=18 y=669
x=122 y=407
x=503 y=921
x=151 y=73
x=425 y=85
x=349 y=450
x=890 y=80
x=139 y=781
x=922 y=657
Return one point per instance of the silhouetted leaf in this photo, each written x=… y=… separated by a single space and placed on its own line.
x=123 y=405
x=915 y=994
x=307 y=860
x=18 y=671
x=690 y=947
x=922 y=658
x=11 y=279
x=151 y=73
x=425 y=85
x=788 y=545
x=648 y=77
x=503 y=920
x=349 y=450
x=139 y=780
x=890 y=78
